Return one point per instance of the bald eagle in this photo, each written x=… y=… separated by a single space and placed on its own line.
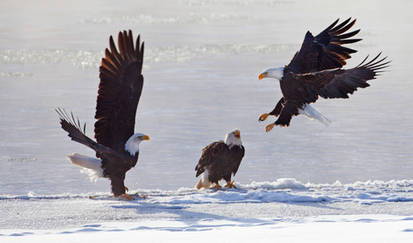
x=220 y=160
x=315 y=70
x=120 y=87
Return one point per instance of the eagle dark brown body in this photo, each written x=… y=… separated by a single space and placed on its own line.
x=220 y=160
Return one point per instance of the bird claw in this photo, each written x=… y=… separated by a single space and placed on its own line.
x=217 y=186
x=131 y=197
x=269 y=127
x=126 y=197
x=230 y=185
x=263 y=117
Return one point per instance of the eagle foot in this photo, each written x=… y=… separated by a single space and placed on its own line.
x=217 y=186
x=126 y=197
x=269 y=127
x=230 y=184
x=130 y=197
x=263 y=117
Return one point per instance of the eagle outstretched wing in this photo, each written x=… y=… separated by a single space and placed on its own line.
x=340 y=83
x=325 y=51
x=120 y=88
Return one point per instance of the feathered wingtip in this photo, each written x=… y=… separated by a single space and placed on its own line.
x=64 y=116
x=377 y=66
x=127 y=50
x=338 y=31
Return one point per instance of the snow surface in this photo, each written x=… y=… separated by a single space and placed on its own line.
x=285 y=208
x=356 y=228
x=349 y=182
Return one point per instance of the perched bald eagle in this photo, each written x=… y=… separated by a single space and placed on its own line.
x=220 y=160
x=315 y=70
x=120 y=87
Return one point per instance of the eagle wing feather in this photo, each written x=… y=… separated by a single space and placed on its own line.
x=120 y=88
x=340 y=83
x=325 y=51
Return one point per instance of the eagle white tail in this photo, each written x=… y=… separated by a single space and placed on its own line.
x=203 y=182
x=312 y=113
x=91 y=166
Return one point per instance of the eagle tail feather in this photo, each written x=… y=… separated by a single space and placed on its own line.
x=91 y=166
x=203 y=181
x=312 y=113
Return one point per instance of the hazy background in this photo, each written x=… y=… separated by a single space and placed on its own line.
x=202 y=59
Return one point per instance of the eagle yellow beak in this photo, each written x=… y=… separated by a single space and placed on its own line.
x=262 y=75
x=145 y=137
x=237 y=134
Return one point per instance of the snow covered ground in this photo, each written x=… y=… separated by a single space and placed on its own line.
x=352 y=180
x=286 y=210
x=357 y=228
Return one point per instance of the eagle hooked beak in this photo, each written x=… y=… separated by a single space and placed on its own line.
x=262 y=75
x=237 y=134
x=144 y=137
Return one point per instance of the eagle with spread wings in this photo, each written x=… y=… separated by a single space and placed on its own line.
x=316 y=70
x=120 y=88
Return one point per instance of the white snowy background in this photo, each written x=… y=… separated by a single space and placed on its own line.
x=349 y=182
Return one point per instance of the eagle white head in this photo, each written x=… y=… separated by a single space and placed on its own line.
x=276 y=73
x=233 y=138
x=132 y=145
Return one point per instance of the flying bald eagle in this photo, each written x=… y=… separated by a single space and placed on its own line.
x=220 y=160
x=120 y=87
x=315 y=70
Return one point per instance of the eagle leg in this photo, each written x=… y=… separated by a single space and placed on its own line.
x=230 y=184
x=269 y=127
x=263 y=117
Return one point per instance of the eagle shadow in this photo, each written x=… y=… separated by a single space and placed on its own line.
x=198 y=221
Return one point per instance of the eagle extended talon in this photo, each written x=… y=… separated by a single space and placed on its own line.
x=263 y=117
x=230 y=184
x=217 y=186
x=269 y=127
x=126 y=197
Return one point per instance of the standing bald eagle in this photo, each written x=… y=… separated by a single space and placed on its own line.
x=220 y=160
x=315 y=70
x=120 y=87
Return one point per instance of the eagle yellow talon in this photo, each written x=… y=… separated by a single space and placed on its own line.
x=217 y=186
x=230 y=184
x=269 y=127
x=126 y=197
x=263 y=117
